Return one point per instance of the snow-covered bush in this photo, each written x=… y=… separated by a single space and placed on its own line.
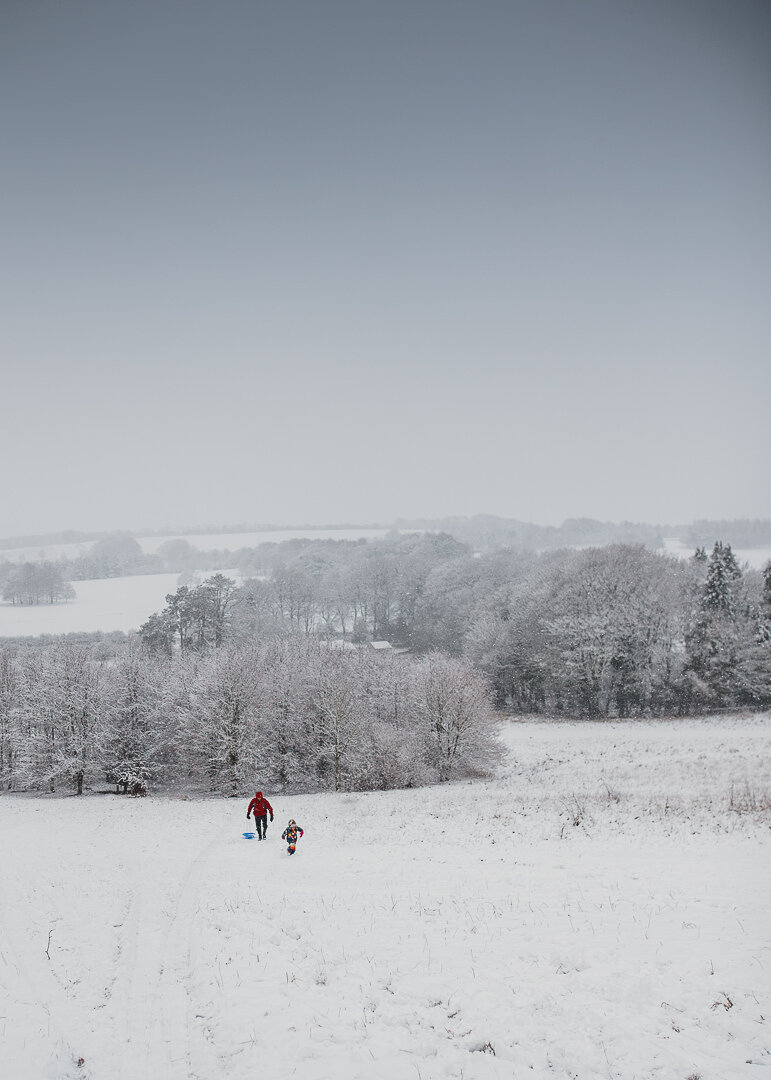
x=454 y=707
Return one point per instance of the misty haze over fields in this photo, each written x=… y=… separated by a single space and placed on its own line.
x=355 y=263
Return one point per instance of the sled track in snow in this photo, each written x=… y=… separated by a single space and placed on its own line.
x=169 y=1020
x=26 y=973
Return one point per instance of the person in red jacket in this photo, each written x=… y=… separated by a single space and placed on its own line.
x=261 y=808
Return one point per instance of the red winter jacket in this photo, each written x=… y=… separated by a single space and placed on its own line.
x=260 y=805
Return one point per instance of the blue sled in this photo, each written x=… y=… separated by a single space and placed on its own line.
x=249 y=835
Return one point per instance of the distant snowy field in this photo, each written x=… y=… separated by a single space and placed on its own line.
x=150 y=545
x=108 y=604
x=756 y=558
x=597 y=912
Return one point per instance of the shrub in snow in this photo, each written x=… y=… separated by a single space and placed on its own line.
x=137 y=786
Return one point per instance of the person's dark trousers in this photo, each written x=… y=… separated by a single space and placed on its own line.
x=262 y=826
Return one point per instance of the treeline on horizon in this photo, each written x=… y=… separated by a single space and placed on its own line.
x=119 y=554
x=485 y=532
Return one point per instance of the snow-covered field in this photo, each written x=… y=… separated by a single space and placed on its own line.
x=107 y=604
x=756 y=558
x=42 y=552
x=598 y=911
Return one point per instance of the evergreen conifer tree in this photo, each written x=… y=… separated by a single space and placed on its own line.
x=723 y=572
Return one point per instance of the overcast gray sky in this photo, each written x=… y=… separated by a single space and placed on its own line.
x=325 y=261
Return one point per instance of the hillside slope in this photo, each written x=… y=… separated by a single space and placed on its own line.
x=598 y=910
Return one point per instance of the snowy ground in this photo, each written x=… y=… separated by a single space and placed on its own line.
x=107 y=604
x=600 y=910
x=754 y=557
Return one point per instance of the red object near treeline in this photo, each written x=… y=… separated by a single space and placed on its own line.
x=260 y=806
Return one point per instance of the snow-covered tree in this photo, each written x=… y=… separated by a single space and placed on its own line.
x=10 y=735
x=217 y=719
x=723 y=573
x=37 y=583
x=194 y=618
x=340 y=719
x=285 y=749
x=61 y=717
x=727 y=664
x=453 y=704
x=130 y=751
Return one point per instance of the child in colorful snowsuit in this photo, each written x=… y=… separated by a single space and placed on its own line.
x=290 y=835
x=261 y=808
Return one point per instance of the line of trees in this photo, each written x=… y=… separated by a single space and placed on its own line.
x=36 y=583
x=744 y=532
x=291 y=712
x=612 y=631
x=120 y=555
x=621 y=631
x=487 y=532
